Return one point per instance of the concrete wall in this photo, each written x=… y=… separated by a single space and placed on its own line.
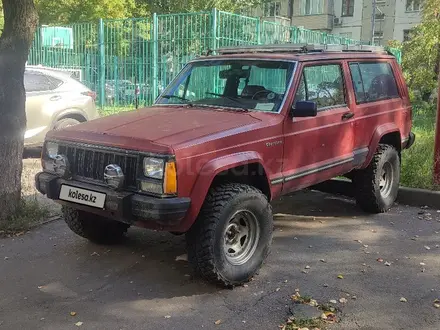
x=349 y=24
x=404 y=20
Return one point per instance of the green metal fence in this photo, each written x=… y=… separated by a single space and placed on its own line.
x=116 y=58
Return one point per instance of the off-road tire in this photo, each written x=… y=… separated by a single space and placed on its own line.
x=94 y=228
x=366 y=182
x=206 y=238
x=64 y=123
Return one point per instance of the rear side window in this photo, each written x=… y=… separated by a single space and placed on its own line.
x=373 y=82
x=38 y=82
x=322 y=84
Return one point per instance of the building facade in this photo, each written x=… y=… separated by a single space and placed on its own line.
x=348 y=18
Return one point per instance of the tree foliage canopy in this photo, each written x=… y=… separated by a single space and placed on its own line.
x=74 y=11
x=421 y=54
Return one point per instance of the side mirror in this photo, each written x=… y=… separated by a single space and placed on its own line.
x=304 y=109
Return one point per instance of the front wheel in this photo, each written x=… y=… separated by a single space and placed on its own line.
x=92 y=227
x=232 y=235
x=376 y=186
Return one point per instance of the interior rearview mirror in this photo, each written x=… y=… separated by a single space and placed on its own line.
x=304 y=109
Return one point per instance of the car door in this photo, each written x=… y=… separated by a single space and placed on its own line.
x=39 y=97
x=319 y=148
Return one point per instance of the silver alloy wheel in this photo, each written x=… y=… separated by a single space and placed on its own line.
x=386 y=179
x=241 y=237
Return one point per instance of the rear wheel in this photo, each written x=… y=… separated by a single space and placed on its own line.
x=376 y=186
x=66 y=122
x=94 y=228
x=232 y=235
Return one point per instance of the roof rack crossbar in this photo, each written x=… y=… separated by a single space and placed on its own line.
x=300 y=48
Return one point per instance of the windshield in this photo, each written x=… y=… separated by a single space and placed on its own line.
x=232 y=83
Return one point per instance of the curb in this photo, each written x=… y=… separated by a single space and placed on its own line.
x=406 y=196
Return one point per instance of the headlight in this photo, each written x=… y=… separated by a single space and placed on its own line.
x=51 y=149
x=153 y=167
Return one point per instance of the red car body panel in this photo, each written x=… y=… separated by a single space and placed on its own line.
x=294 y=152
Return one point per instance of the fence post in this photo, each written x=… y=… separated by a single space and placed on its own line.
x=101 y=81
x=259 y=32
x=214 y=28
x=155 y=57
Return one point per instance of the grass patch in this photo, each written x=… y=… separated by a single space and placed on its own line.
x=418 y=161
x=30 y=213
x=108 y=111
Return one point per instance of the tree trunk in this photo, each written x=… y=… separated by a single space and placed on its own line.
x=21 y=21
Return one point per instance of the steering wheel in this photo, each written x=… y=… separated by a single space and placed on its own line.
x=268 y=92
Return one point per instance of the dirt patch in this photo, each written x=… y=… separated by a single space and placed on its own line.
x=31 y=166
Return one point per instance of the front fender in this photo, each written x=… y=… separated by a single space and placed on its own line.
x=206 y=176
x=378 y=134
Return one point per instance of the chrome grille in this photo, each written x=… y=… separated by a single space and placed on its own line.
x=89 y=164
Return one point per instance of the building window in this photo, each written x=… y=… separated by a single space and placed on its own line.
x=406 y=35
x=413 y=5
x=378 y=38
x=348 y=35
x=347 y=7
x=272 y=9
x=312 y=7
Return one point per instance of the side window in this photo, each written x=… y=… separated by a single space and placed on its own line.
x=38 y=82
x=322 y=84
x=373 y=82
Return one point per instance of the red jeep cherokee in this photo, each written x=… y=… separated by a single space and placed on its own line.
x=231 y=133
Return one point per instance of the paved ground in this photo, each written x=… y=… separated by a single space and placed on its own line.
x=50 y=272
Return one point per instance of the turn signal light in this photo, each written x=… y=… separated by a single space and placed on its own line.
x=170 y=182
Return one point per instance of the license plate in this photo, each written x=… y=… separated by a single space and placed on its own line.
x=82 y=196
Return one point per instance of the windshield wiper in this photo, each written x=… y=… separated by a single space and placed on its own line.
x=233 y=99
x=179 y=98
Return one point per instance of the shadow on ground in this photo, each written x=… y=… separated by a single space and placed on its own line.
x=140 y=285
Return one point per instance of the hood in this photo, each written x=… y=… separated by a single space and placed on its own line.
x=156 y=129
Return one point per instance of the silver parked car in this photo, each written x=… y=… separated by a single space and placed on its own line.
x=54 y=100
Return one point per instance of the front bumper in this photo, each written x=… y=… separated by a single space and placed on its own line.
x=122 y=206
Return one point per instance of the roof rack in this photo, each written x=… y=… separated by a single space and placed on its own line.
x=300 y=48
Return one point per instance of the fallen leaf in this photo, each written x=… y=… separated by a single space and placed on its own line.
x=403 y=300
x=437 y=305
x=72 y=313
x=340 y=277
x=313 y=303
x=343 y=301
x=323 y=316
x=183 y=257
x=78 y=324
x=218 y=322
x=379 y=259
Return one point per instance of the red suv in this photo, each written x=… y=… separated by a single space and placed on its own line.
x=231 y=133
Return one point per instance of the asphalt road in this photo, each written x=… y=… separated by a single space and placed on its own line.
x=49 y=273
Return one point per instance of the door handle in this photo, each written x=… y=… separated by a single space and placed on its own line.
x=347 y=115
x=55 y=98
